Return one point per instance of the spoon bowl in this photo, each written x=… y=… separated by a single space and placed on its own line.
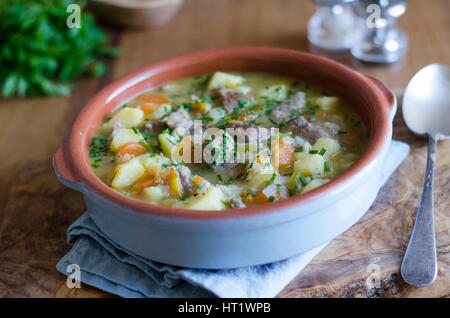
x=426 y=102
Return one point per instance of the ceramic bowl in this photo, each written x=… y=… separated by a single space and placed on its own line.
x=234 y=237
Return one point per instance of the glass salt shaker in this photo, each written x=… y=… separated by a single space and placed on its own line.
x=378 y=38
x=332 y=25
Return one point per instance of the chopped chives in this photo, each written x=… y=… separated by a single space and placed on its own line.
x=285 y=134
x=242 y=102
x=327 y=166
x=272 y=179
x=271 y=198
x=313 y=152
x=322 y=151
x=303 y=180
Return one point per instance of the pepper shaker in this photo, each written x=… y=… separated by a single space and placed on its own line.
x=332 y=25
x=378 y=38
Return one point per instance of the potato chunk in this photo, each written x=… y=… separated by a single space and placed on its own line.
x=155 y=193
x=123 y=137
x=259 y=173
x=127 y=173
x=168 y=143
x=328 y=103
x=128 y=117
x=220 y=79
x=308 y=164
x=210 y=200
x=330 y=145
x=160 y=112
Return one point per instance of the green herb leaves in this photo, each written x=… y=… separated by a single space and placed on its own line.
x=40 y=55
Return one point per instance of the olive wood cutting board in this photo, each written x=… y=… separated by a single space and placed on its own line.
x=39 y=210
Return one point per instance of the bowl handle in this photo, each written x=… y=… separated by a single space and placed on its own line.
x=388 y=94
x=64 y=172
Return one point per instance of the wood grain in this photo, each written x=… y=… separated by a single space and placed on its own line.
x=32 y=130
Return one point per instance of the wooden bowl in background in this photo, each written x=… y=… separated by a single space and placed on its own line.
x=135 y=13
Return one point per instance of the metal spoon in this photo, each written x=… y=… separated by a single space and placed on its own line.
x=426 y=110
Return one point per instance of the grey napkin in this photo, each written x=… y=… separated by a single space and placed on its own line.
x=110 y=267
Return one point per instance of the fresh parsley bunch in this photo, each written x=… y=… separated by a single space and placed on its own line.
x=40 y=55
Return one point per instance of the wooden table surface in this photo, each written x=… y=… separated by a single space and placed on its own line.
x=32 y=129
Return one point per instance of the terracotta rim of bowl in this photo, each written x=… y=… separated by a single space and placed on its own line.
x=71 y=160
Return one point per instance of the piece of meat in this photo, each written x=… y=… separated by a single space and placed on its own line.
x=179 y=118
x=186 y=179
x=229 y=99
x=283 y=111
x=236 y=203
x=300 y=126
x=154 y=127
x=187 y=182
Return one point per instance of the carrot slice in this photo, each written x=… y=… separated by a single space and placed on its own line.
x=352 y=137
x=247 y=117
x=199 y=107
x=261 y=199
x=197 y=181
x=154 y=98
x=176 y=189
x=132 y=148
x=144 y=182
x=148 y=108
x=249 y=199
x=286 y=155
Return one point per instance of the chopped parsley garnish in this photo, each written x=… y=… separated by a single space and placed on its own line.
x=303 y=180
x=273 y=121
x=295 y=112
x=98 y=147
x=242 y=102
x=272 y=179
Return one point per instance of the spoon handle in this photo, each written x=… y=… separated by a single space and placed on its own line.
x=419 y=264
